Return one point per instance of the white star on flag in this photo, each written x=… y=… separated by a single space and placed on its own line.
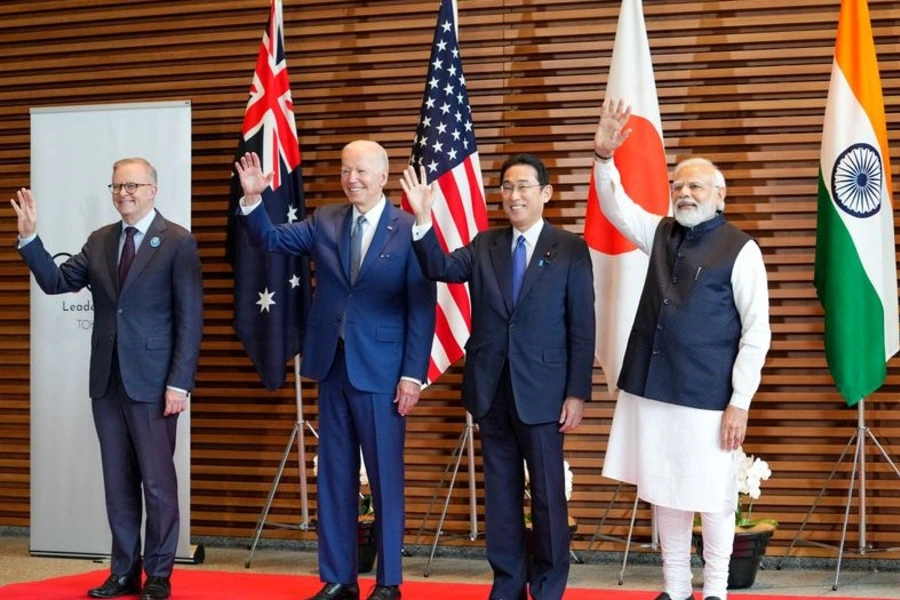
x=295 y=281
x=265 y=300
x=445 y=145
x=292 y=213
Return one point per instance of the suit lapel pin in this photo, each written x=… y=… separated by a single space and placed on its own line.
x=390 y=227
x=154 y=242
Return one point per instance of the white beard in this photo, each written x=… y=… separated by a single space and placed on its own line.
x=691 y=216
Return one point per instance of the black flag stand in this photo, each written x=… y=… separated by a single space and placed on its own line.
x=859 y=464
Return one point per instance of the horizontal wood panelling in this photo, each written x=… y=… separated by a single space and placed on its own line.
x=743 y=82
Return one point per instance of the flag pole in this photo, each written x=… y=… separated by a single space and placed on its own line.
x=465 y=444
x=470 y=449
x=859 y=463
x=297 y=433
x=301 y=445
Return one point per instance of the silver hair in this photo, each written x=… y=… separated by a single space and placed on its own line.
x=151 y=170
x=718 y=177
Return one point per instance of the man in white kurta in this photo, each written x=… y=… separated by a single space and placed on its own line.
x=693 y=362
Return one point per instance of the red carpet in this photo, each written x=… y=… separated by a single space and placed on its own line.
x=214 y=585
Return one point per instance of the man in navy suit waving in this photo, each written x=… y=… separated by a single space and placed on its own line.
x=368 y=342
x=528 y=366
x=144 y=274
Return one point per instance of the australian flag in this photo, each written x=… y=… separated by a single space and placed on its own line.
x=271 y=291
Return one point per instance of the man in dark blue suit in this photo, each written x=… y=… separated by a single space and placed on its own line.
x=144 y=274
x=368 y=342
x=528 y=366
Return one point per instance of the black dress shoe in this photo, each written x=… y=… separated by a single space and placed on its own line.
x=116 y=586
x=337 y=591
x=156 y=588
x=665 y=596
x=385 y=592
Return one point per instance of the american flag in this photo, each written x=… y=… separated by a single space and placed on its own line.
x=445 y=146
x=271 y=292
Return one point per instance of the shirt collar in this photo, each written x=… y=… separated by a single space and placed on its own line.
x=144 y=224
x=373 y=215
x=531 y=234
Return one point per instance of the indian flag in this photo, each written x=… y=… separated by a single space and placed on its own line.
x=856 y=271
x=619 y=267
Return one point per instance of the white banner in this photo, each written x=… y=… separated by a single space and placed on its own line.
x=73 y=149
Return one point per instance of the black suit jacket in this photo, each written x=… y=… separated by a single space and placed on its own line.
x=154 y=321
x=547 y=336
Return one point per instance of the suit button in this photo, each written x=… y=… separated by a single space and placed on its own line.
x=120 y=311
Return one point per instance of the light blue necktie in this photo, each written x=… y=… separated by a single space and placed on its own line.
x=356 y=237
x=518 y=267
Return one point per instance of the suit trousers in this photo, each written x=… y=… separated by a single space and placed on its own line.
x=350 y=419
x=137 y=445
x=506 y=441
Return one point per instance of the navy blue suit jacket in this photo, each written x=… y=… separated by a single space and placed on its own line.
x=548 y=336
x=389 y=310
x=155 y=321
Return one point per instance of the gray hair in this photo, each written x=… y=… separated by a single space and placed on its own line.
x=718 y=178
x=151 y=170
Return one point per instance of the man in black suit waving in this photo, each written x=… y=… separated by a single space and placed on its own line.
x=528 y=365
x=144 y=274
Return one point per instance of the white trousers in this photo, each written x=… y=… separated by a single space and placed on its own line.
x=675 y=540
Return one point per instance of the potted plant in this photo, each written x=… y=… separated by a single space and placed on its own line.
x=368 y=548
x=751 y=536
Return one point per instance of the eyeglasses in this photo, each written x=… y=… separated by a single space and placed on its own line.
x=508 y=188
x=129 y=187
x=694 y=187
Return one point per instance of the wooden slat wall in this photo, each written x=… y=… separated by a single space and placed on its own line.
x=743 y=82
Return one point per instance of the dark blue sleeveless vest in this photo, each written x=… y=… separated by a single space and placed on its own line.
x=685 y=335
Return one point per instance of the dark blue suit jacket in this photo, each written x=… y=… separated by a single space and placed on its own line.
x=548 y=336
x=389 y=310
x=155 y=321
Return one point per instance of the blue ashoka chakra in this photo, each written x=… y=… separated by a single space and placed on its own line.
x=856 y=180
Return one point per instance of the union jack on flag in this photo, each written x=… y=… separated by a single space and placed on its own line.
x=445 y=146
x=271 y=292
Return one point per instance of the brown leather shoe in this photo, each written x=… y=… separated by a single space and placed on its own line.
x=337 y=591
x=385 y=592
x=115 y=586
x=156 y=588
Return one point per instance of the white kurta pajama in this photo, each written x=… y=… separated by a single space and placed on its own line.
x=673 y=453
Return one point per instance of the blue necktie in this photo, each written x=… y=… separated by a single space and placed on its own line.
x=356 y=237
x=518 y=267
